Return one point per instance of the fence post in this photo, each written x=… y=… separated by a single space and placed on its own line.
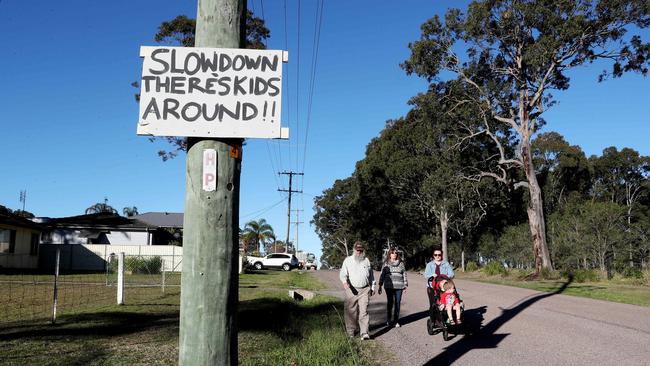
x=56 y=290
x=163 y=276
x=120 y=279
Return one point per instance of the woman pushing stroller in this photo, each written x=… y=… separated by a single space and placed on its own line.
x=435 y=269
x=442 y=294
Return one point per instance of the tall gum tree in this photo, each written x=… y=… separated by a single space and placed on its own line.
x=515 y=53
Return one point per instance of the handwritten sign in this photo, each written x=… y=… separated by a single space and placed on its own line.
x=211 y=92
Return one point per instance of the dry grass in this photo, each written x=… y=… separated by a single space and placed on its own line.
x=273 y=329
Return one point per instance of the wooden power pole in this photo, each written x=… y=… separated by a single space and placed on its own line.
x=290 y=174
x=297 y=222
x=208 y=335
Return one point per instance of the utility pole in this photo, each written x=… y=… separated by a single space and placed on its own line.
x=208 y=332
x=290 y=174
x=297 y=222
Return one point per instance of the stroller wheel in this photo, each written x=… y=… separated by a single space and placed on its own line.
x=430 y=326
x=445 y=334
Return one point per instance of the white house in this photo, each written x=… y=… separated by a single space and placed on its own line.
x=19 y=239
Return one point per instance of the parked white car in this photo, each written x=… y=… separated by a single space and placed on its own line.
x=276 y=260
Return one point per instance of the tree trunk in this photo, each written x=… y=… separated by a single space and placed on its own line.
x=444 y=224
x=629 y=225
x=462 y=259
x=536 y=214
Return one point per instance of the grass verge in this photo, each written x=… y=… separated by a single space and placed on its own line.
x=273 y=330
x=617 y=291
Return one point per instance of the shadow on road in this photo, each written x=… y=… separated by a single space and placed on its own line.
x=487 y=336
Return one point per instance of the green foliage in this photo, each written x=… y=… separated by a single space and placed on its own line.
x=582 y=275
x=514 y=245
x=142 y=265
x=257 y=235
x=471 y=267
x=548 y=274
x=521 y=274
x=516 y=53
x=495 y=268
x=429 y=164
x=632 y=272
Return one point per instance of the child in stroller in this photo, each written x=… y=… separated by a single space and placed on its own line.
x=439 y=319
x=449 y=298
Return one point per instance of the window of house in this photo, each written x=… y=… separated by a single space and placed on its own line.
x=33 y=247
x=7 y=241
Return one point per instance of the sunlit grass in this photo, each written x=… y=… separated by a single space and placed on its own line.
x=617 y=291
x=273 y=328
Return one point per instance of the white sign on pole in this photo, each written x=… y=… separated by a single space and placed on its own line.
x=209 y=170
x=211 y=92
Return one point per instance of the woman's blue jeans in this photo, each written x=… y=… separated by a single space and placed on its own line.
x=394 y=298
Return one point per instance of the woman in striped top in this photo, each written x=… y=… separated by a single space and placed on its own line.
x=393 y=279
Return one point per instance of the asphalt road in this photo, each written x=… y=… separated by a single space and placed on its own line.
x=512 y=326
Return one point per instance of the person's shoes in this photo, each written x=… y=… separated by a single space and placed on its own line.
x=448 y=321
x=397 y=325
x=365 y=336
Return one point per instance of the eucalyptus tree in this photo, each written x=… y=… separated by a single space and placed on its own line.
x=516 y=52
x=623 y=177
x=333 y=221
x=562 y=170
x=419 y=164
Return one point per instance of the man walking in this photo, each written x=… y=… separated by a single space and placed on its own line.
x=359 y=283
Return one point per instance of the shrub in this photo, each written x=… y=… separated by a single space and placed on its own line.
x=152 y=265
x=521 y=274
x=547 y=274
x=632 y=272
x=495 y=268
x=646 y=276
x=471 y=267
x=583 y=275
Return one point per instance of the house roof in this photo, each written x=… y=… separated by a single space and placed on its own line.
x=96 y=221
x=15 y=220
x=162 y=219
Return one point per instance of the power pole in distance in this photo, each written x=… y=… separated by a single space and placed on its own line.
x=297 y=222
x=290 y=174
x=208 y=332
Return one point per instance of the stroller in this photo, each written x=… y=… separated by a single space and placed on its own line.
x=437 y=322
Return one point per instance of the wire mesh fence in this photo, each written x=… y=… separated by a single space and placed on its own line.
x=36 y=296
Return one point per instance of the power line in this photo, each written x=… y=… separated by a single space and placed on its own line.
x=263 y=210
x=315 y=48
x=298 y=90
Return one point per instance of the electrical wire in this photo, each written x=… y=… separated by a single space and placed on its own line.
x=315 y=48
x=263 y=210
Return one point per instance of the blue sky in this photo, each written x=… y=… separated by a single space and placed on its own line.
x=68 y=115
